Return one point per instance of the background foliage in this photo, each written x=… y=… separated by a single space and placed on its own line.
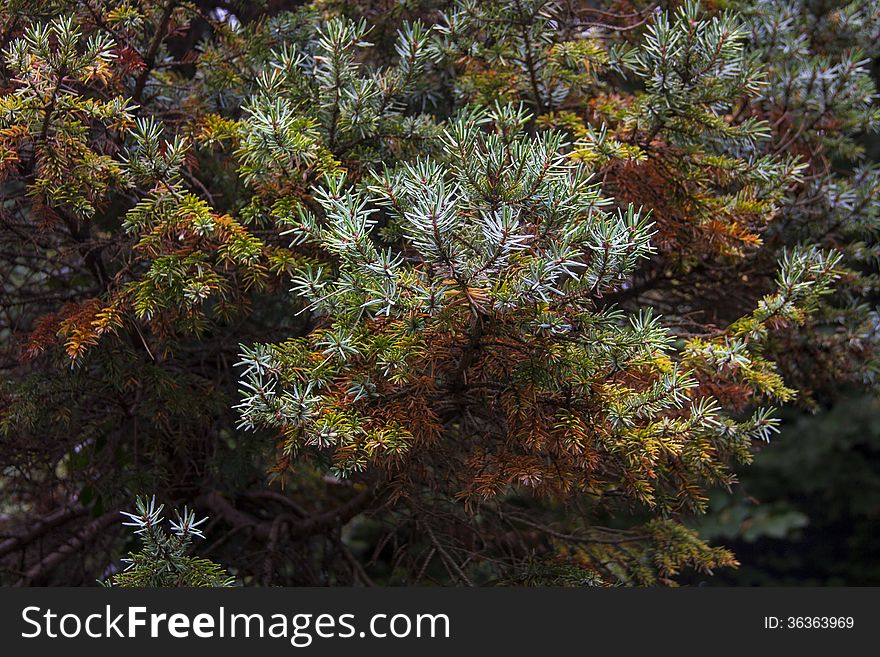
x=448 y=292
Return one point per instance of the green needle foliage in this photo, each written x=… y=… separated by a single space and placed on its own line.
x=497 y=290
x=163 y=560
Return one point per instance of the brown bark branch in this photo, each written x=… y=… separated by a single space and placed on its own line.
x=43 y=526
x=295 y=527
x=150 y=59
x=69 y=549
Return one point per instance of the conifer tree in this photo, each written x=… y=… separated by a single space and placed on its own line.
x=162 y=561
x=509 y=285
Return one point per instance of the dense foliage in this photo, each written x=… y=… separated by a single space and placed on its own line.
x=463 y=292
